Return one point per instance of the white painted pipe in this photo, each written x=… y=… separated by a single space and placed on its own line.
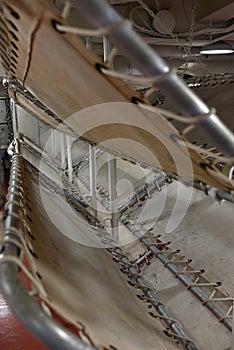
x=112 y=176
x=93 y=176
x=69 y=158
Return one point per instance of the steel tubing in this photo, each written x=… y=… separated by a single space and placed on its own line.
x=100 y=14
x=215 y=309
x=160 y=308
x=27 y=310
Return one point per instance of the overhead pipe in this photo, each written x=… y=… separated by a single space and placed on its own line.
x=101 y=14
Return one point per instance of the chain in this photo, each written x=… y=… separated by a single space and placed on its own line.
x=146 y=7
x=190 y=37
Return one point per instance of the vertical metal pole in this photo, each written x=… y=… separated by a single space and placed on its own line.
x=106 y=49
x=63 y=157
x=38 y=133
x=88 y=43
x=52 y=143
x=13 y=109
x=112 y=176
x=69 y=158
x=92 y=177
x=158 y=187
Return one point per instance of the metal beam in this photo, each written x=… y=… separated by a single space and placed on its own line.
x=101 y=14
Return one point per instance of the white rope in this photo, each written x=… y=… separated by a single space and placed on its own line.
x=182 y=119
x=14 y=215
x=18 y=262
x=92 y=32
x=12 y=241
x=188 y=129
x=220 y=177
x=39 y=291
x=207 y=152
x=11 y=188
x=139 y=79
x=77 y=324
x=24 y=252
x=66 y=10
x=192 y=121
x=58 y=311
x=18 y=193
x=12 y=202
x=12 y=230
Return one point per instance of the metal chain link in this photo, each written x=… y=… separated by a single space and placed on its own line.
x=190 y=37
x=146 y=7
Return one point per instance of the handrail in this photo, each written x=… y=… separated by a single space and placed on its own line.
x=102 y=15
x=26 y=309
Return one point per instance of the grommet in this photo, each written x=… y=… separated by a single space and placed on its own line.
x=54 y=23
x=28 y=217
x=136 y=100
x=38 y=275
x=205 y=166
x=100 y=66
x=30 y=235
x=32 y=252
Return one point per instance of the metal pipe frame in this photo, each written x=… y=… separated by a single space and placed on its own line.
x=93 y=177
x=160 y=308
x=69 y=158
x=101 y=14
x=52 y=137
x=112 y=176
x=106 y=48
x=26 y=309
x=219 y=313
x=62 y=145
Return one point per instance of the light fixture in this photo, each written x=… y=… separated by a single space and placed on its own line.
x=218 y=48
